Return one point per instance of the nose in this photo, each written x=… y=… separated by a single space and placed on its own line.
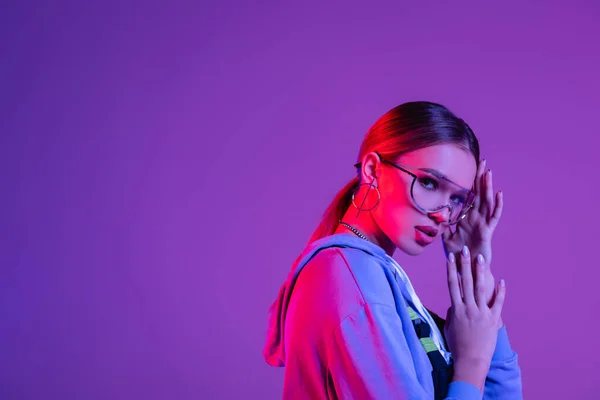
x=441 y=216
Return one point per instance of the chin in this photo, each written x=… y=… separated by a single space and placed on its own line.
x=410 y=247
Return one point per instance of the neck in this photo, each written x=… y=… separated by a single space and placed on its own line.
x=365 y=224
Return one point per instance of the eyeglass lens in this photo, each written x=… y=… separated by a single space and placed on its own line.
x=432 y=194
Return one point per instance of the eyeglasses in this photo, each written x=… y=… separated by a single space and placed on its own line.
x=430 y=191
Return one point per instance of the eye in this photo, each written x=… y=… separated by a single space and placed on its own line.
x=457 y=199
x=428 y=183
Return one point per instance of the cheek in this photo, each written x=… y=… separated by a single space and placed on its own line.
x=396 y=211
x=395 y=198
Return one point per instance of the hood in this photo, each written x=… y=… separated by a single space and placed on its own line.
x=274 y=352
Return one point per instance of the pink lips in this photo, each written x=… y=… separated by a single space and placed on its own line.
x=428 y=230
x=425 y=235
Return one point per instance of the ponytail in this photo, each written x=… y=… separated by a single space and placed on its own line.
x=335 y=211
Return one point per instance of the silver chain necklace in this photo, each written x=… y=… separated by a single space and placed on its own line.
x=354 y=230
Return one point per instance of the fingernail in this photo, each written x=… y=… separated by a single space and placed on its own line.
x=451 y=257
x=465 y=251
x=480 y=259
x=502 y=283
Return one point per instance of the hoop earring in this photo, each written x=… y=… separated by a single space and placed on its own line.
x=365 y=199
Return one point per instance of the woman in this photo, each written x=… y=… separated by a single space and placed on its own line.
x=347 y=322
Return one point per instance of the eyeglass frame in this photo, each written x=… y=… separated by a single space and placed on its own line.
x=464 y=214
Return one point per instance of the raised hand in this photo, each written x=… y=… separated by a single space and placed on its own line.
x=477 y=228
x=471 y=324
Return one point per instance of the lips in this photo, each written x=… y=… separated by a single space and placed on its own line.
x=428 y=230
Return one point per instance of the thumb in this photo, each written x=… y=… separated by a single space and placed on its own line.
x=446 y=234
x=445 y=238
x=448 y=317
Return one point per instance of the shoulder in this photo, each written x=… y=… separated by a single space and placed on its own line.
x=350 y=274
x=323 y=295
x=328 y=275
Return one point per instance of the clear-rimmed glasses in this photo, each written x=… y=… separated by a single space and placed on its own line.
x=431 y=192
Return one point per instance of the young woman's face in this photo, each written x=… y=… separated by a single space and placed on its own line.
x=408 y=227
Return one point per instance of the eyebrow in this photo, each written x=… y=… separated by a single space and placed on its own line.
x=442 y=176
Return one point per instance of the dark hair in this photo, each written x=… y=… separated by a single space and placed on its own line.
x=408 y=127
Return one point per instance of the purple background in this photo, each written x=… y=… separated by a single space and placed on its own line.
x=163 y=166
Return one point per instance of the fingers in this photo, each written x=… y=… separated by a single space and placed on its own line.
x=480 y=281
x=453 y=280
x=482 y=195
x=499 y=299
x=489 y=194
x=477 y=186
x=480 y=170
x=498 y=210
x=467 y=276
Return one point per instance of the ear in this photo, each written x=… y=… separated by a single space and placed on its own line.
x=370 y=168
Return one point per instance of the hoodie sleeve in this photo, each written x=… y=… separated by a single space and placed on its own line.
x=368 y=358
x=503 y=381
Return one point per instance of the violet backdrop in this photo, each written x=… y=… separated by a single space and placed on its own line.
x=163 y=164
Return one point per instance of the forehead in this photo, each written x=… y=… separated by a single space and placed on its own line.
x=451 y=160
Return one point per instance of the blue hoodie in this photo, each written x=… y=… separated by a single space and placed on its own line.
x=342 y=330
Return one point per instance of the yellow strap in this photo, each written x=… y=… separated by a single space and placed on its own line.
x=428 y=345
x=413 y=313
